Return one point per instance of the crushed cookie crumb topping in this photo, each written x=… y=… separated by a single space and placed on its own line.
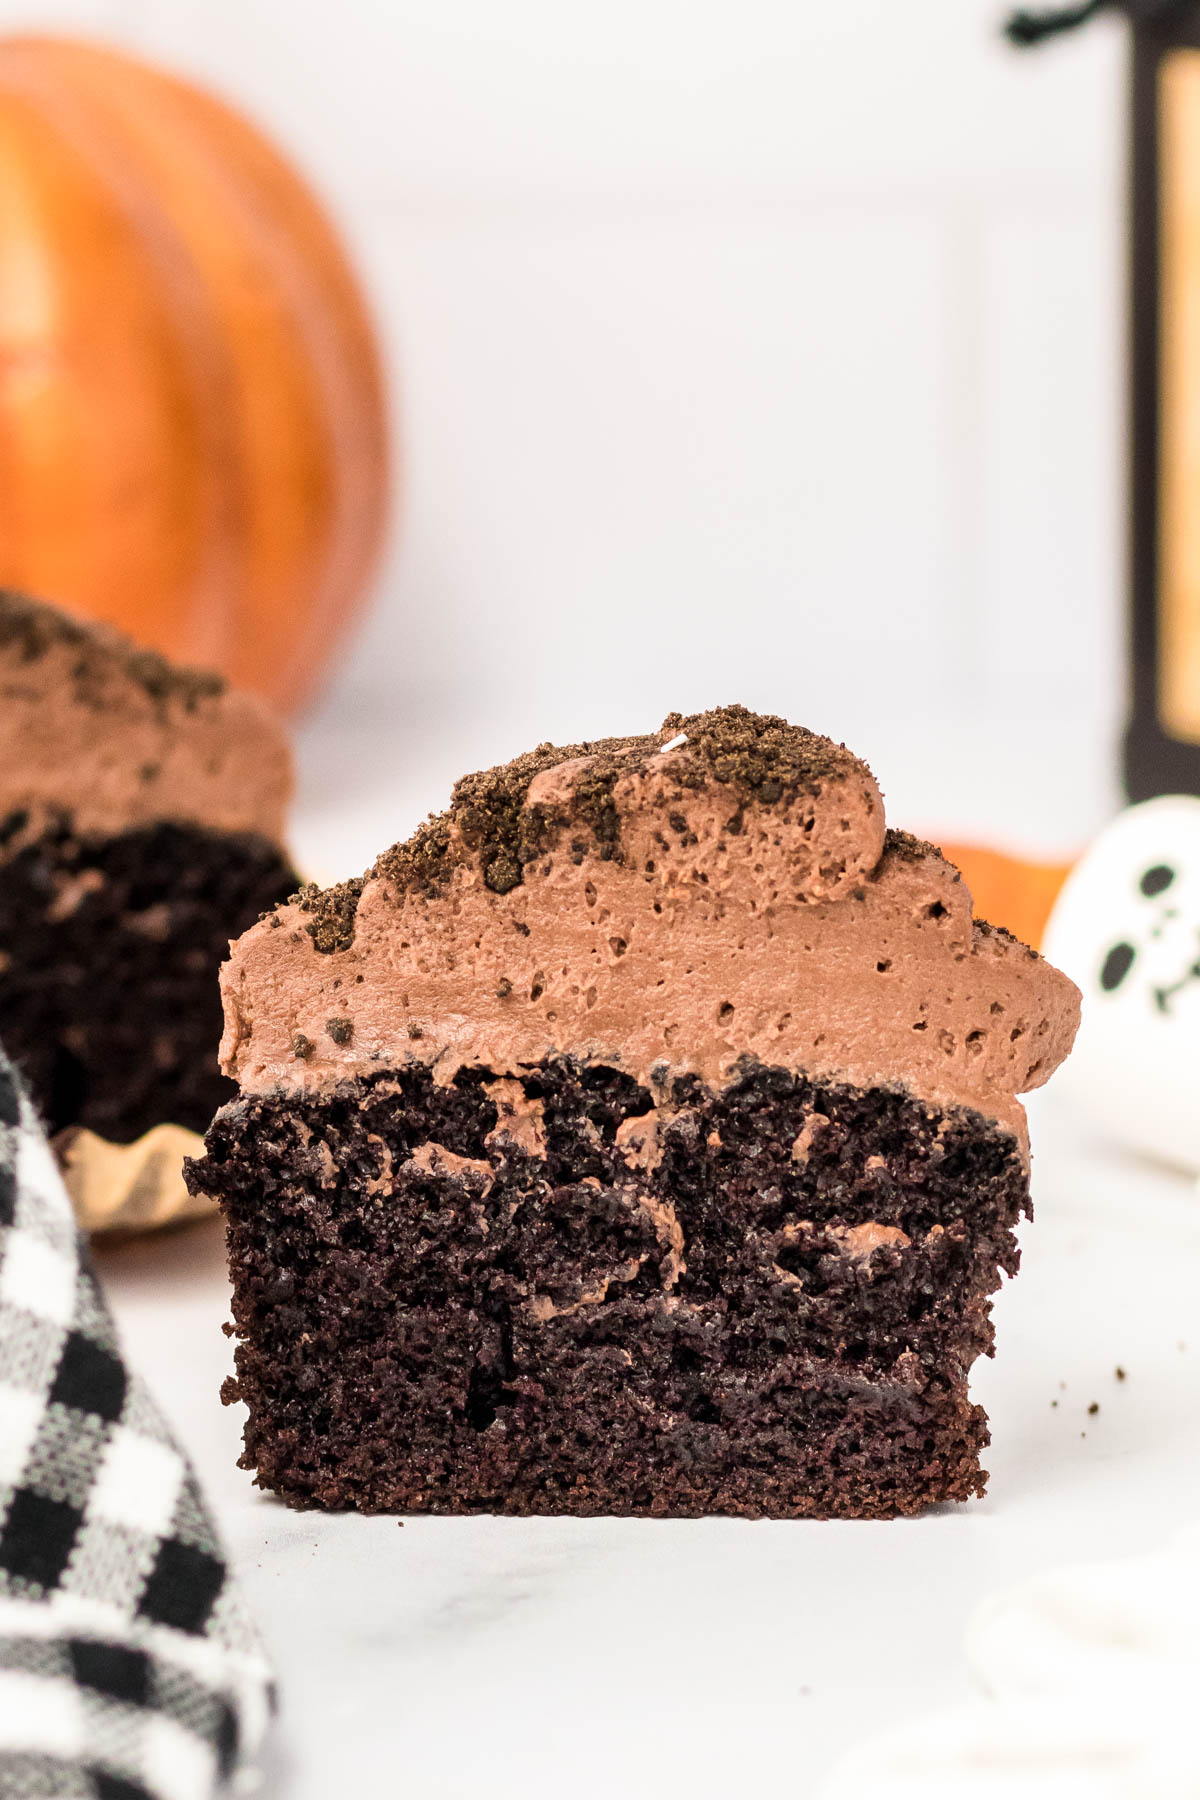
x=29 y=629
x=490 y=821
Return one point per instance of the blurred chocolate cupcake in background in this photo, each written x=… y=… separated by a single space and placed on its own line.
x=141 y=828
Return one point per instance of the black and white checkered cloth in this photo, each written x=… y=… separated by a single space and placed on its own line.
x=129 y=1669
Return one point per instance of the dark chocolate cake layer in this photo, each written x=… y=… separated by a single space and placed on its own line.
x=553 y=1295
x=109 y=953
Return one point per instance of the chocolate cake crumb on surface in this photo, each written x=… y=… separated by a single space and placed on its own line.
x=640 y=1137
x=331 y=926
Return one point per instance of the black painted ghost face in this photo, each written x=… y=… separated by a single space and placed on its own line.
x=1126 y=928
x=1120 y=958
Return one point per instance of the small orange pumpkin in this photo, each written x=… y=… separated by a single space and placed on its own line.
x=1008 y=891
x=192 y=431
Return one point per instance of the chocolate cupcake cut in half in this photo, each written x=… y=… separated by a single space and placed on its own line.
x=639 y=1137
x=141 y=821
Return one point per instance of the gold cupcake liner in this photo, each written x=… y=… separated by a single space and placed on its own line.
x=130 y=1187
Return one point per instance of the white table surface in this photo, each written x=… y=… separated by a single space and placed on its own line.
x=445 y=1658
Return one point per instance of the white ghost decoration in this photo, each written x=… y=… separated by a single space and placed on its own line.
x=1126 y=928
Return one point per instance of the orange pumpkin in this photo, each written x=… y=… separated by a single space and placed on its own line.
x=1007 y=890
x=192 y=431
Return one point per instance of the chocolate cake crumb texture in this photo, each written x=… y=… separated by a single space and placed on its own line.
x=109 y=952
x=434 y=1318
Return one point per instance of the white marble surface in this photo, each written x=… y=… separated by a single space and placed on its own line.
x=444 y=1658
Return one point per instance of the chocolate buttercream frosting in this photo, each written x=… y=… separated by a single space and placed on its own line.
x=718 y=892
x=110 y=737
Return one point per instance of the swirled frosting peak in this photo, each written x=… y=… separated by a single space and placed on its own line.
x=722 y=889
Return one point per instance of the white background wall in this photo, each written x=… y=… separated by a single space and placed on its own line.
x=767 y=350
